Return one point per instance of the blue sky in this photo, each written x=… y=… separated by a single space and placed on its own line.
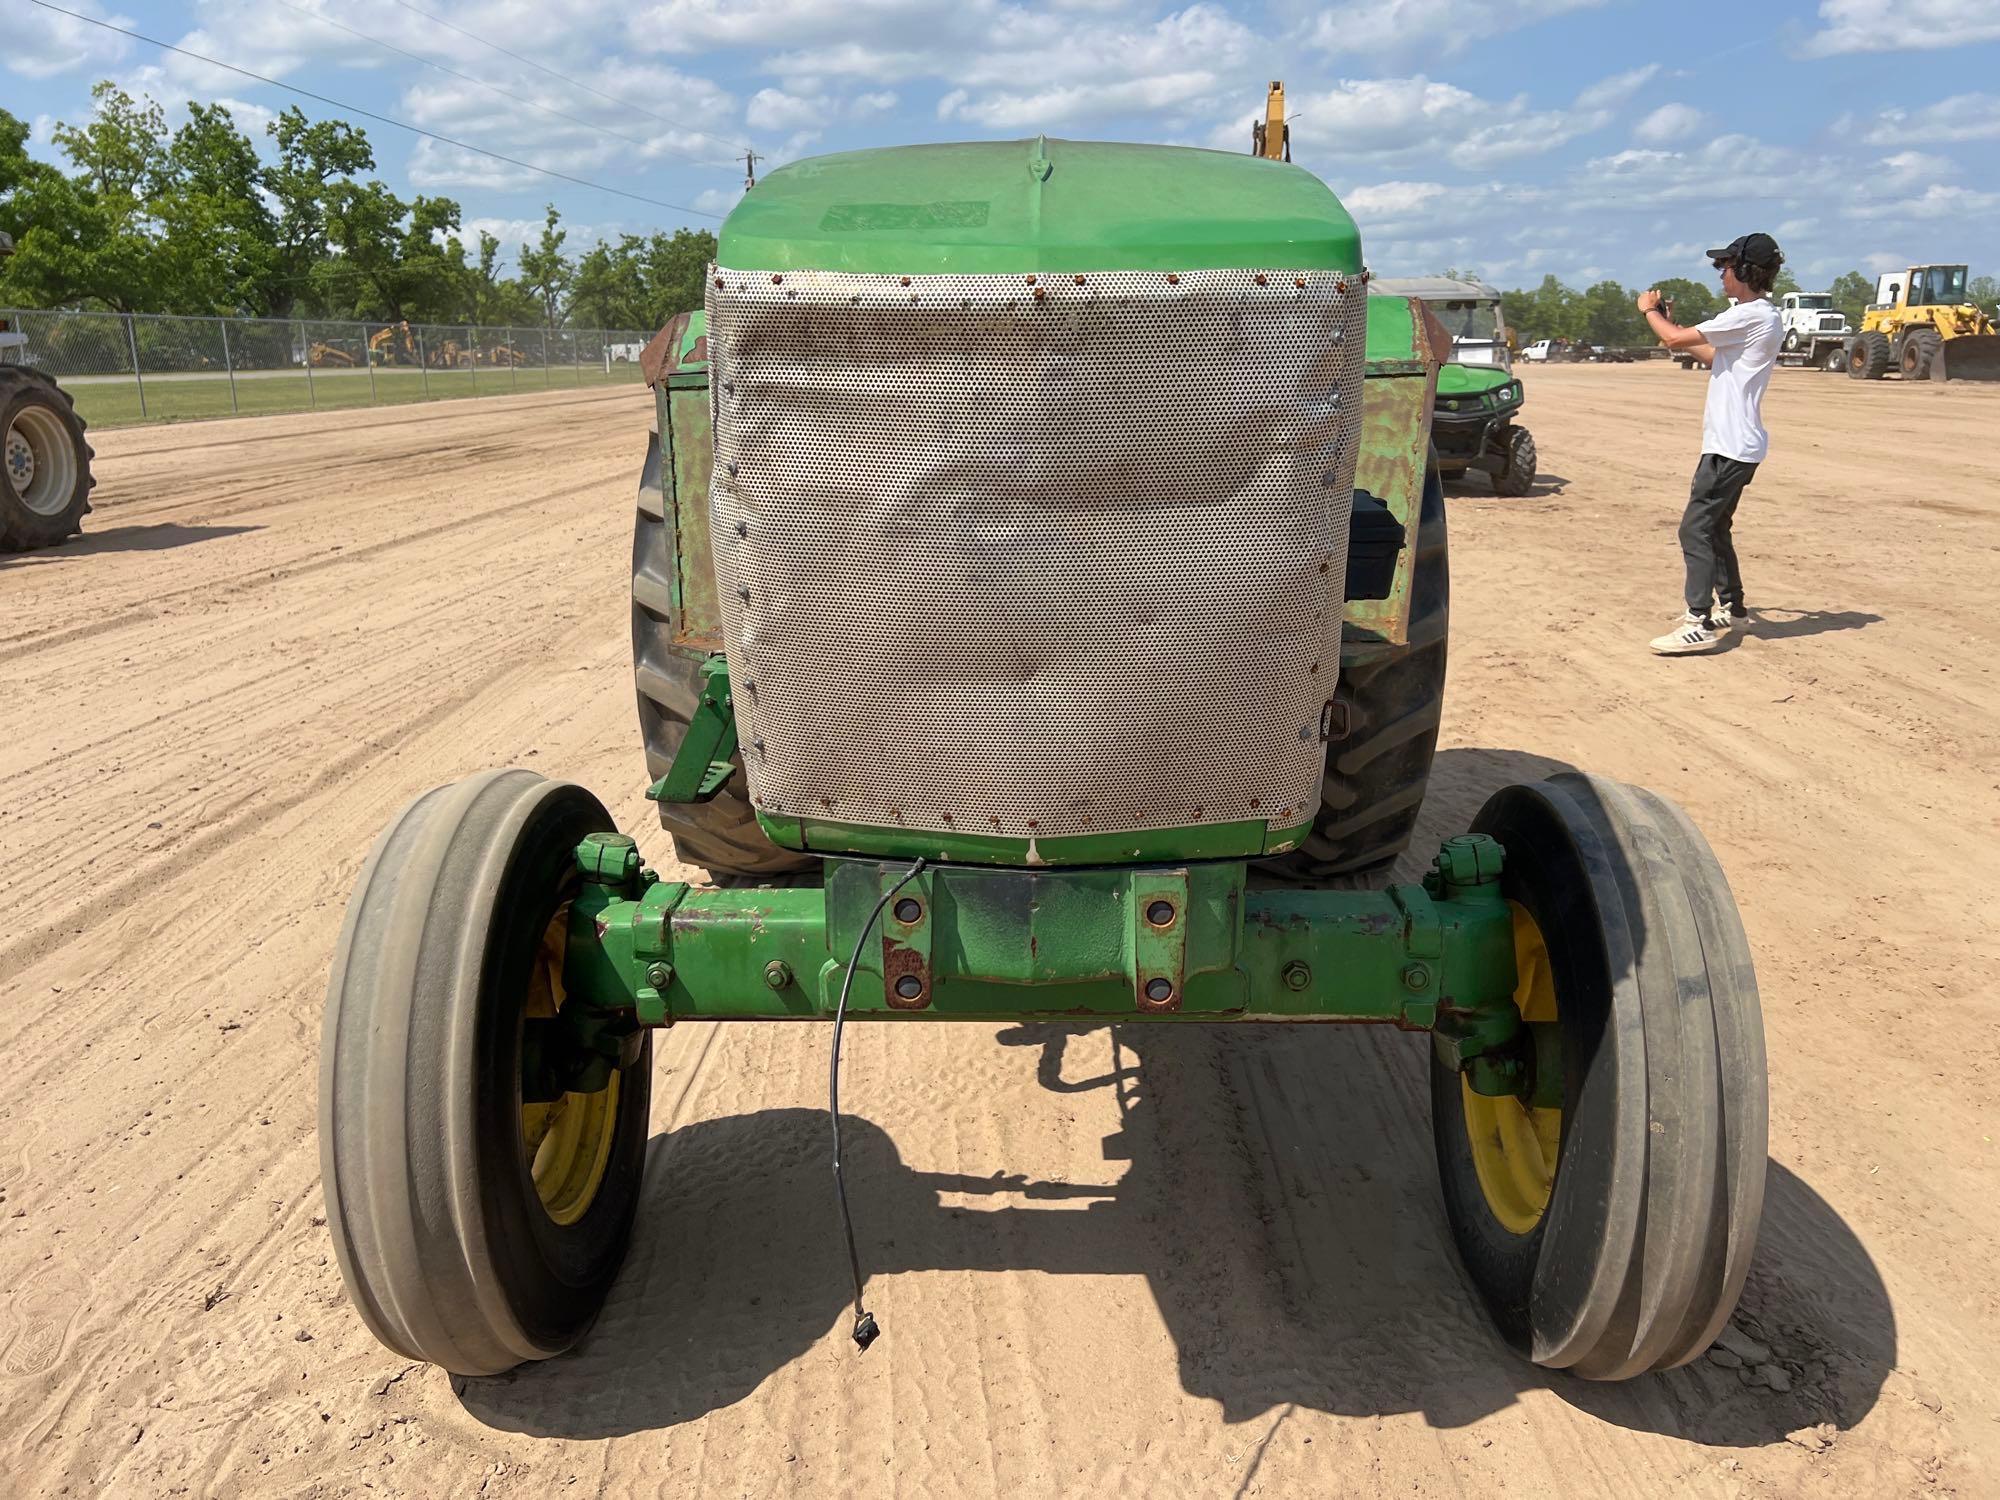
x=1587 y=138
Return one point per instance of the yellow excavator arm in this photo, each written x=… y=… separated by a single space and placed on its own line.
x=1269 y=137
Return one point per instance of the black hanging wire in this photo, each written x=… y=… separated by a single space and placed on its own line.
x=865 y=1327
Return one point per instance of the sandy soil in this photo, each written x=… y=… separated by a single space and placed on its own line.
x=1119 y=1261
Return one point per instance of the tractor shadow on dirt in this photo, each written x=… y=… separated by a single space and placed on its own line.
x=1275 y=1188
x=158 y=537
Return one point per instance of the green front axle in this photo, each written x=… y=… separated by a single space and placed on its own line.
x=966 y=943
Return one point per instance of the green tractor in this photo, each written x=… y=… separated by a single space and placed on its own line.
x=1038 y=603
x=1473 y=424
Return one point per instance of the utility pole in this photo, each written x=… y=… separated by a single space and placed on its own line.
x=749 y=170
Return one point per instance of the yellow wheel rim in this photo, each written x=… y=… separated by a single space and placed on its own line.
x=566 y=1144
x=1514 y=1148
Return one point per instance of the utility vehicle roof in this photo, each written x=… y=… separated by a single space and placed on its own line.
x=1434 y=289
x=985 y=207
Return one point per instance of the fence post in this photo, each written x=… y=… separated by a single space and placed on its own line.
x=513 y=379
x=472 y=355
x=423 y=362
x=132 y=343
x=576 y=357
x=227 y=364
x=368 y=358
x=305 y=351
x=547 y=378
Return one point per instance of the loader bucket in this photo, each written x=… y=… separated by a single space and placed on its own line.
x=1973 y=356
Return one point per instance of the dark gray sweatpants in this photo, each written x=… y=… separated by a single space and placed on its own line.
x=1706 y=541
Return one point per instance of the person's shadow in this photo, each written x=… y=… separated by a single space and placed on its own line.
x=1776 y=623
x=1275 y=1187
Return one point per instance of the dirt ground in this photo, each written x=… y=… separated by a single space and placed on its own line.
x=1121 y=1261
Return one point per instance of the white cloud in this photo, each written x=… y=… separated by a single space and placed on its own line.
x=1902 y=25
x=774 y=109
x=1396 y=121
x=1424 y=28
x=1940 y=200
x=1963 y=117
x=1619 y=88
x=42 y=43
x=718 y=201
x=1909 y=166
x=1670 y=122
x=433 y=167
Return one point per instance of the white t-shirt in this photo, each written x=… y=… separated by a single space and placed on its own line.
x=1745 y=339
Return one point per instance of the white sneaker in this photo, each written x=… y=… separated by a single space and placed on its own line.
x=1721 y=621
x=1691 y=633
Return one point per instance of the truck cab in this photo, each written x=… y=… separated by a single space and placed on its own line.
x=1806 y=316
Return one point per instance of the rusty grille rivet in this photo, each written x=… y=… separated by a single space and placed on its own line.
x=1079 y=281
x=909 y=909
x=909 y=986
x=906 y=281
x=1158 y=990
x=1298 y=281
x=1161 y=913
x=1261 y=281
x=1173 y=278
x=775 y=280
x=1031 y=281
x=718 y=281
x=1297 y=975
x=1340 y=286
x=1040 y=294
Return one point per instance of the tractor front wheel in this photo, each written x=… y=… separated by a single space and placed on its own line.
x=474 y=1229
x=1607 y=1224
x=1920 y=347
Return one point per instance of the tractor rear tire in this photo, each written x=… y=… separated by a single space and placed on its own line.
x=1376 y=776
x=1869 y=356
x=472 y=1231
x=1519 y=476
x=1920 y=347
x=45 y=478
x=721 y=835
x=1614 y=1238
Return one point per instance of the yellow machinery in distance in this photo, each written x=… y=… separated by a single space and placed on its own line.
x=1923 y=323
x=1270 y=137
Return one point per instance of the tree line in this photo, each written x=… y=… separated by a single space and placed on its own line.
x=198 y=222
x=1605 y=314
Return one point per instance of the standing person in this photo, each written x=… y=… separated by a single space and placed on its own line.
x=1740 y=345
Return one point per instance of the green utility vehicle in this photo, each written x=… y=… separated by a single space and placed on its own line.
x=1473 y=425
x=45 y=478
x=1015 y=512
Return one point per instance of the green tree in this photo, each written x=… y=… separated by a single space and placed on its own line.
x=1786 y=282
x=122 y=147
x=1983 y=291
x=312 y=156
x=490 y=298
x=394 y=260
x=1852 y=292
x=1611 y=318
x=216 y=236
x=545 y=270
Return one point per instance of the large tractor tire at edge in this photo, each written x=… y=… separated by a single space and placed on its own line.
x=45 y=478
x=1869 y=356
x=722 y=835
x=1377 y=774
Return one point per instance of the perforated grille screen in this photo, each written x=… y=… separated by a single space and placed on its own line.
x=999 y=564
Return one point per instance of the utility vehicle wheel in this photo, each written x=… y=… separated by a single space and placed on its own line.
x=1791 y=341
x=1519 y=475
x=44 y=462
x=1394 y=696
x=1868 y=356
x=473 y=1230
x=1610 y=1235
x=722 y=835
x=1920 y=347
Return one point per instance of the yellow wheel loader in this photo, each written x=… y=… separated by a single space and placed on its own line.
x=1923 y=323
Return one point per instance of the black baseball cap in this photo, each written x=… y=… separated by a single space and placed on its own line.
x=1748 y=250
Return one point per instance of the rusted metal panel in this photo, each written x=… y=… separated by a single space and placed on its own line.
x=1395 y=447
x=690 y=458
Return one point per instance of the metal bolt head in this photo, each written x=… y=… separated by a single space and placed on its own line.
x=1297 y=975
x=1160 y=913
x=657 y=975
x=1417 y=976
x=777 y=973
x=1159 y=989
x=909 y=986
x=909 y=909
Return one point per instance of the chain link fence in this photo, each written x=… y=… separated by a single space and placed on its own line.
x=122 y=368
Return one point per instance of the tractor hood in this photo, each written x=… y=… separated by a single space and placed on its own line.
x=1013 y=206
